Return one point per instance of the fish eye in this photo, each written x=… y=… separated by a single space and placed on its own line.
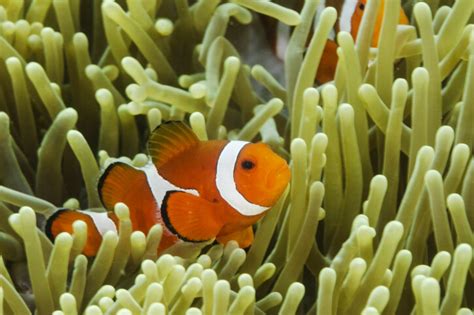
x=247 y=164
x=362 y=6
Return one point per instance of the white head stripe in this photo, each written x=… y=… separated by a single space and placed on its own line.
x=160 y=186
x=226 y=184
x=102 y=221
x=347 y=12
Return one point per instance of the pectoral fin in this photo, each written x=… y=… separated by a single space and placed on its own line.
x=190 y=217
x=243 y=237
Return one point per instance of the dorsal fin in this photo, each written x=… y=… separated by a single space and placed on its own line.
x=169 y=140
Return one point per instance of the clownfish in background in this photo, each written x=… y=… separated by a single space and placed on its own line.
x=198 y=190
x=350 y=14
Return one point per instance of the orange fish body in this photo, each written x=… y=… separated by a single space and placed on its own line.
x=350 y=13
x=349 y=20
x=198 y=190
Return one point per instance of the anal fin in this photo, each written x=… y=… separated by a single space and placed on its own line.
x=243 y=237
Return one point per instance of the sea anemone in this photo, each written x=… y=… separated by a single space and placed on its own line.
x=378 y=217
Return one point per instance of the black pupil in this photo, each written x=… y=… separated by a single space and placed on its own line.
x=361 y=6
x=247 y=165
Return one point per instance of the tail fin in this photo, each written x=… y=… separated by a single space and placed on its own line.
x=62 y=220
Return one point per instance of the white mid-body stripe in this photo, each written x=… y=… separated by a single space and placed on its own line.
x=317 y=17
x=225 y=181
x=160 y=186
x=347 y=11
x=102 y=221
x=319 y=11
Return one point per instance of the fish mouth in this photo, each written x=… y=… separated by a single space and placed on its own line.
x=283 y=171
x=279 y=178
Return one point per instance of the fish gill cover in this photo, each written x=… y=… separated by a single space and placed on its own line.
x=379 y=215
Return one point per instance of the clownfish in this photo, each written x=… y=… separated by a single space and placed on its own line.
x=197 y=190
x=350 y=14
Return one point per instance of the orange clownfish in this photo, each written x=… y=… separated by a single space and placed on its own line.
x=198 y=190
x=350 y=14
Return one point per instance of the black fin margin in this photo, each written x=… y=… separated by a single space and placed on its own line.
x=168 y=122
x=166 y=219
x=50 y=220
x=104 y=175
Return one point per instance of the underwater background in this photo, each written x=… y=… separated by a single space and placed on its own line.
x=379 y=215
